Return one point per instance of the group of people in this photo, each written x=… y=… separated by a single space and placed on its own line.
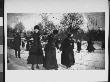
x=49 y=61
x=47 y=57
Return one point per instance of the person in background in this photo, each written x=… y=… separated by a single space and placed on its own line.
x=50 y=61
x=35 y=52
x=23 y=44
x=28 y=43
x=90 y=46
x=67 y=56
x=17 y=43
x=78 y=46
x=103 y=45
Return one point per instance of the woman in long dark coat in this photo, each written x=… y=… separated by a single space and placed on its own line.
x=67 y=56
x=36 y=53
x=50 y=52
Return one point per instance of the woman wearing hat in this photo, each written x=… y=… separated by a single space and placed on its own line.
x=67 y=56
x=50 y=52
x=35 y=52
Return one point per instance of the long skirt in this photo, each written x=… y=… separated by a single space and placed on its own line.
x=35 y=57
x=50 y=61
x=67 y=59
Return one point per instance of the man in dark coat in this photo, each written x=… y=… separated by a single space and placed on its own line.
x=67 y=56
x=17 y=43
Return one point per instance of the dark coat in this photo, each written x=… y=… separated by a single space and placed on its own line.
x=90 y=46
x=78 y=46
x=23 y=44
x=28 y=44
x=50 y=53
x=58 y=42
x=17 y=42
x=103 y=45
x=35 y=52
x=67 y=56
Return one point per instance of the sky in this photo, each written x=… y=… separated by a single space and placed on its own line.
x=29 y=20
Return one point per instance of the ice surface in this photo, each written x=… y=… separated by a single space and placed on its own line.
x=83 y=60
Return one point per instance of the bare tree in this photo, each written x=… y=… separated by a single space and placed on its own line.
x=10 y=31
x=19 y=27
x=72 y=21
x=48 y=26
x=92 y=33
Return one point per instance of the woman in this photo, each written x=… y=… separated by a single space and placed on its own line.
x=35 y=53
x=50 y=52
x=67 y=56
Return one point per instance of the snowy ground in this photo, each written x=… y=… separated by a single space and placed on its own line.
x=83 y=60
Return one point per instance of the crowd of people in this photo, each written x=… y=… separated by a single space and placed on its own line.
x=49 y=61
